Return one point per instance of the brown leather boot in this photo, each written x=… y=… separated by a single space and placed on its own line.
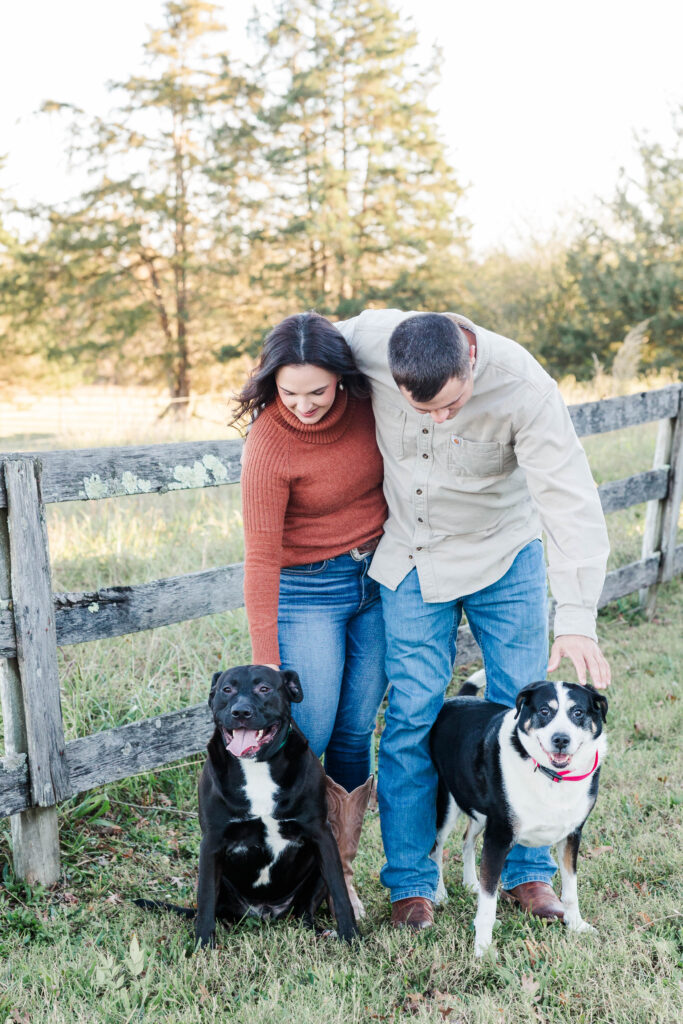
x=537 y=898
x=345 y=812
x=414 y=912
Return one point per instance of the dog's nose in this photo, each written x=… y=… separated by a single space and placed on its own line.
x=560 y=741
x=242 y=713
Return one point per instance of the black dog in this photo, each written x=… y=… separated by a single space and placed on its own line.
x=267 y=849
x=528 y=775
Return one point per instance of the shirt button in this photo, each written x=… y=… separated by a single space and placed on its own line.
x=425 y=430
x=410 y=557
x=418 y=491
x=419 y=549
x=420 y=519
x=425 y=456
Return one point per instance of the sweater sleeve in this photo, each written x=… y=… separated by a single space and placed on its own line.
x=265 y=494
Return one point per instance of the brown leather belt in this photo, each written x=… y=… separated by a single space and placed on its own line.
x=365 y=549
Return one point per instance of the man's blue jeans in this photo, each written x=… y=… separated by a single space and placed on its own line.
x=509 y=620
x=331 y=632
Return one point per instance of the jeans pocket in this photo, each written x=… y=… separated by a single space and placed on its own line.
x=308 y=569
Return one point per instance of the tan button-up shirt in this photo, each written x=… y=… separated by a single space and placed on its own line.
x=465 y=496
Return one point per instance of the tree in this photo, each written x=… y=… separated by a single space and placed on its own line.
x=628 y=267
x=358 y=199
x=130 y=273
x=527 y=296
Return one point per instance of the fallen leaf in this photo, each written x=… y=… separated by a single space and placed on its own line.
x=597 y=851
x=411 y=1003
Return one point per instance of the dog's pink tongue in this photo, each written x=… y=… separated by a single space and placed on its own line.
x=241 y=740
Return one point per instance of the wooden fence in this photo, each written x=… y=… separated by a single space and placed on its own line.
x=39 y=768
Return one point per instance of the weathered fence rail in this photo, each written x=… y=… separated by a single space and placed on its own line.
x=40 y=769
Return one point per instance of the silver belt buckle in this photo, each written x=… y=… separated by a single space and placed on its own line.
x=356 y=555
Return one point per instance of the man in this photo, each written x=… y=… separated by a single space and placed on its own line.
x=479 y=455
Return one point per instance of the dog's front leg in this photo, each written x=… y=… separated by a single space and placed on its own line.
x=497 y=844
x=207 y=894
x=331 y=870
x=568 y=852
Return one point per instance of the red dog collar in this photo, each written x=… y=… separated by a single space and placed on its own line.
x=564 y=776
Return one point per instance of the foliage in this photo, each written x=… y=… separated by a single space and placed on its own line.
x=628 y=267
x=527 y=297
x=227 y=196
x=126 y=276
x=358 y=196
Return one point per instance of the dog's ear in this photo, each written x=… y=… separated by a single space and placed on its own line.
x=214 y=682
x=599 y=701
x=292 y=685
x=524 y=695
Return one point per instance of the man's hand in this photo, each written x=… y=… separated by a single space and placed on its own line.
x=585 y=655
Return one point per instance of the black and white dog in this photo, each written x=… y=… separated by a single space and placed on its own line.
x=525 y=775
x=267 y=849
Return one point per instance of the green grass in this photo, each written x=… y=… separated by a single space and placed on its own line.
x=81 y=951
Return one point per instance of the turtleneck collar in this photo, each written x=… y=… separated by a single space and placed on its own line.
x=330 y=428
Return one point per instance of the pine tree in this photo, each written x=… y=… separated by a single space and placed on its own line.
x=359 y=203
x=129 y=268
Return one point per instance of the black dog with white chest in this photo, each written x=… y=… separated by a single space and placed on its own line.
x=526 y=775
x=267 y=849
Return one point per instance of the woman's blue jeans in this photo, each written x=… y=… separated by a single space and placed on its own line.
x=509 y=620
x=331 y=633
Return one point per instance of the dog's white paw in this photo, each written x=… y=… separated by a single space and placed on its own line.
x=441 y=895
x=486 y=949
x=577 y=924
x=471 y=886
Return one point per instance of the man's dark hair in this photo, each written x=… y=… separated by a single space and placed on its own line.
x=425 y=352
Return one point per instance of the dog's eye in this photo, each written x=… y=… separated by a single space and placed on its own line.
x=227 y=689
x=544 y=711
x=577 y=714
x=264 y=689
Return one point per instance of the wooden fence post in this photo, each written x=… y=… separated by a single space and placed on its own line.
x=30 y=683
x=661 y=518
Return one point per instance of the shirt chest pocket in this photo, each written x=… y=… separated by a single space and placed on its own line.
x=475 y=458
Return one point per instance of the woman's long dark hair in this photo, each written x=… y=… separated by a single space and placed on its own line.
x=305 y=338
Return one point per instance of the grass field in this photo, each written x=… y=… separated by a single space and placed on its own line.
x=82 y=952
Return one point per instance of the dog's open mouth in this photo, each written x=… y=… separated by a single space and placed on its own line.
x=557 y=760
x=248 y=742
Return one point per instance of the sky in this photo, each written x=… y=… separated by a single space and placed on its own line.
x=538 y=105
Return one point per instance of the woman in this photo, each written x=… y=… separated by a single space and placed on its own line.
x=313 y=510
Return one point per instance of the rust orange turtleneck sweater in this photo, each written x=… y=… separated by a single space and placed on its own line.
x=309 y=492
